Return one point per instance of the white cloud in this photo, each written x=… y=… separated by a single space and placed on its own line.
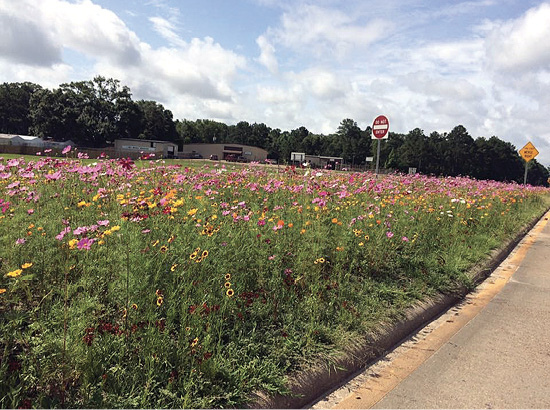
x=167 y=30
x=199 y=68
x=325 y=31
x=23 y=41
x=443 y=87
x=318 y=63
x=521 y=44
x=267 y=54
x=51 y=25
x=320 y=83
x=91 y=30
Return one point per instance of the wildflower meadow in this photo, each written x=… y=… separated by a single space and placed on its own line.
x=152 y=284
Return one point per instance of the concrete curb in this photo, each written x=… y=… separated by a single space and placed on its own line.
x=309 y=385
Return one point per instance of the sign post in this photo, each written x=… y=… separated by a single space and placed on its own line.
x=528 y=152
x=380 y=128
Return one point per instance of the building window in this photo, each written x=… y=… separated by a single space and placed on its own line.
x=236 y=149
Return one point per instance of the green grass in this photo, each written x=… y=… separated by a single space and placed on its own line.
x=195 y=285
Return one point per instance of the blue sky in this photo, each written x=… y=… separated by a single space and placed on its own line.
x=484 y=64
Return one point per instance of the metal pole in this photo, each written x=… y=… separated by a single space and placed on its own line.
x=378 y=158
x=525 y=176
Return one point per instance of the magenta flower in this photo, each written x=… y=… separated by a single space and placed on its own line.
x=66 y=149
x=389 y=234
x=5 y=205
x=55 y=176
x=62 y=234
x=20 y=241
x=85 y=243
x=80 y=230
x=405 y=239
x=103 y=223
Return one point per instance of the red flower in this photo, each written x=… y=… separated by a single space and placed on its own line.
x=126 y=163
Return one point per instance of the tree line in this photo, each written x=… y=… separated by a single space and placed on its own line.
x=96 y=112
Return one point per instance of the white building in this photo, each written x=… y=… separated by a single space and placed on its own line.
x=21 y=140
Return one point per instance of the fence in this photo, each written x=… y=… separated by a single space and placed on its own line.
x=107 y=152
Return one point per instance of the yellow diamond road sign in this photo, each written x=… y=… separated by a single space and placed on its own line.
x=528 y=152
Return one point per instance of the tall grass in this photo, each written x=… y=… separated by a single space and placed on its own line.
x=173 y=286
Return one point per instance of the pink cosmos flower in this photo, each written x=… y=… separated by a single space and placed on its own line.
x=85 y=243
x=61 y=234
x=66 y=149
x=80 y=230
x=55 y=176
x=389 y=234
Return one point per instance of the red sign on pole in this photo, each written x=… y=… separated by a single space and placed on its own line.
x=380 y=127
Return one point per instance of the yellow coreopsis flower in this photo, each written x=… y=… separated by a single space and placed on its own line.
x=15 y=273
x=26 y=265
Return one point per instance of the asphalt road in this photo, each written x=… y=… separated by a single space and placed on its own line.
x=492 y=351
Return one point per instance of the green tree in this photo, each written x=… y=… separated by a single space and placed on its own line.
x=210 y=131
x=54 y=115
x=91 y=113
x=240 y=133
x=259 y=136
x=158 y=122
x=537 y=174
x=129 y=119
x=497 y=160
x=15 y=100
x=389 y=151
x=349 y=136
x=273 y=146
x=458 y=152
x=412 y=152
x=187 y=132
x=96 y=102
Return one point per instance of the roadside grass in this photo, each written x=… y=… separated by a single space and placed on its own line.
x=175 y=284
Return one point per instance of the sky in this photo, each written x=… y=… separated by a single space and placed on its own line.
x=431 y=64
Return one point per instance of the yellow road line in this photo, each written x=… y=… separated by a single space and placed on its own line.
x=376 y=387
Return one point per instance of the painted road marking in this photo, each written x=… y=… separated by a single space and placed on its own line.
x=379 y=379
